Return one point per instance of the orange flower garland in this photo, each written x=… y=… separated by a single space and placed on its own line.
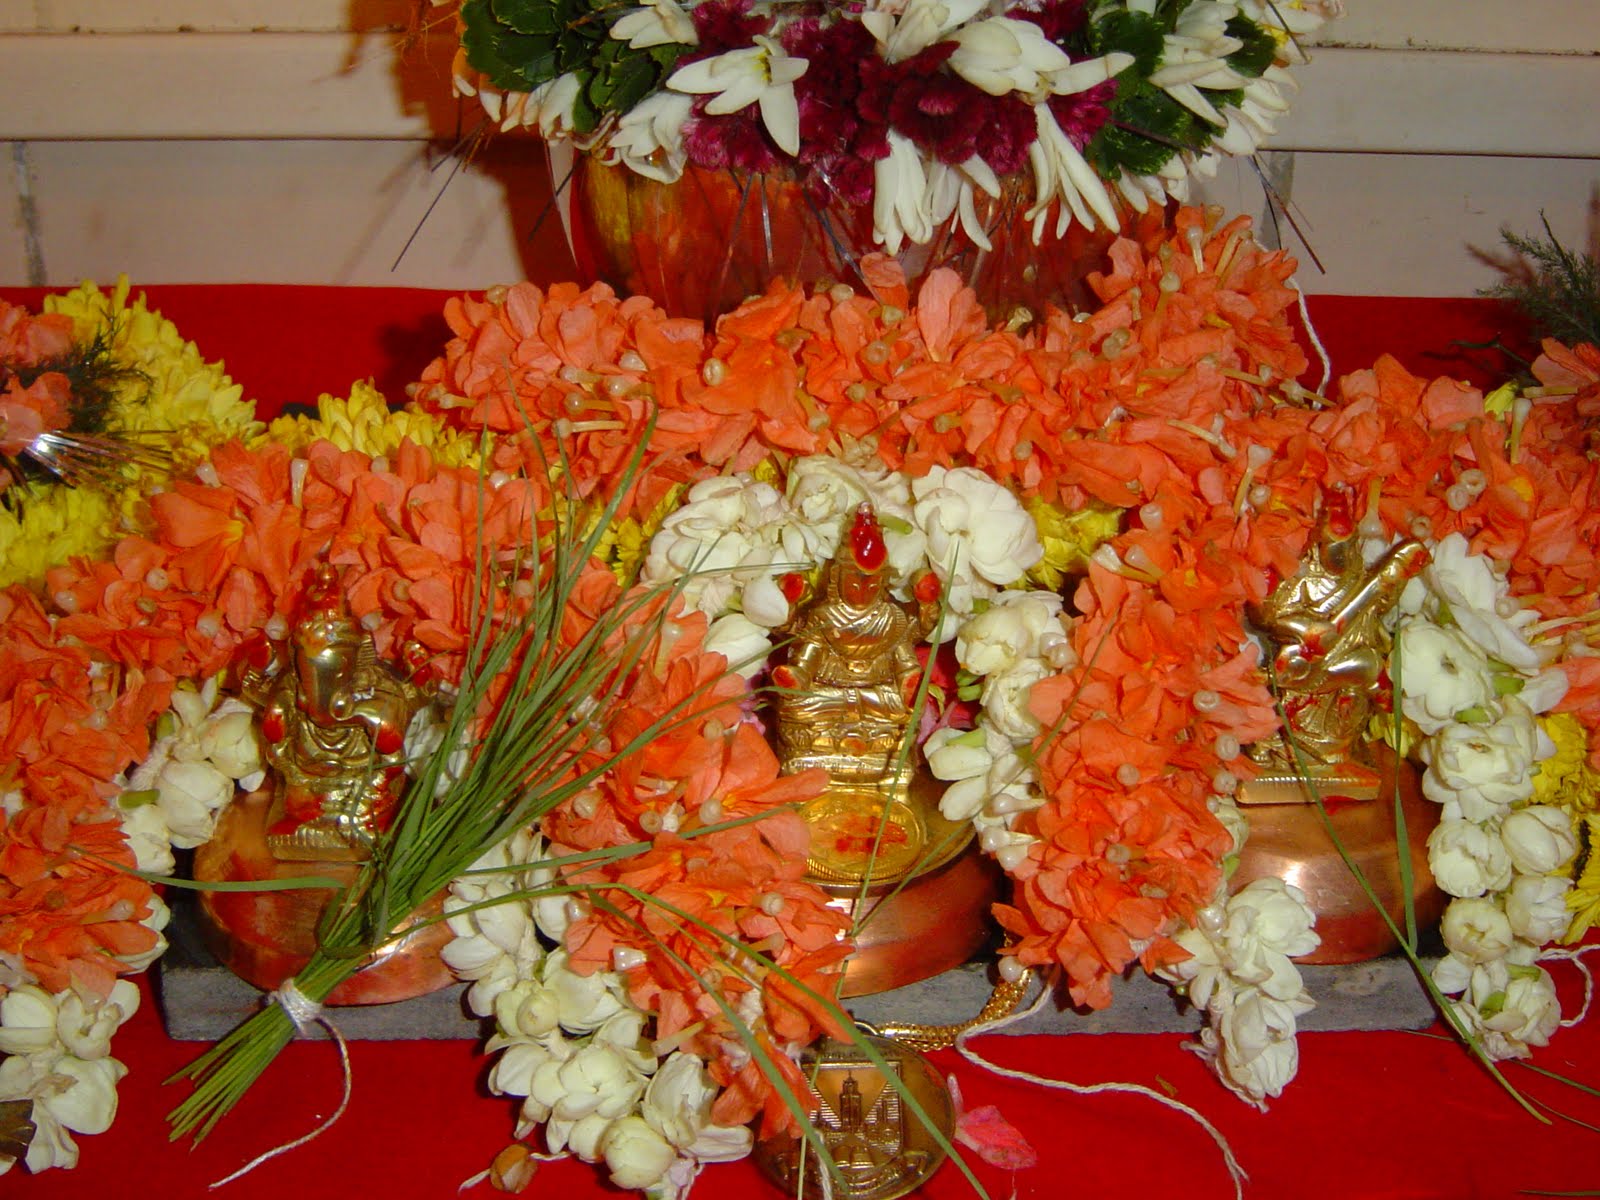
x=1168 y=403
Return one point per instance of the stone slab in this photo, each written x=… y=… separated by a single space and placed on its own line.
x=202 y=1001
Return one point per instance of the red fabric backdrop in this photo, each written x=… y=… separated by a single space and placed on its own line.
x=1400 y=1116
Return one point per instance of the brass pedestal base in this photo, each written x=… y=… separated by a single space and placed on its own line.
x=1291 y=841
x=265 y=937
x=931 y=925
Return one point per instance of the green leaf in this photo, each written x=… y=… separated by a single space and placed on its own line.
x=1258 y=51
x=1146 y=128
x=584 y=114
x=1508 y=685
x=128 y=801
x=1132 y=33
x=512 y=61
x=527 y=16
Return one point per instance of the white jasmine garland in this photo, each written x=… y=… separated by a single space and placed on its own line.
x=1444 y=674
x=1539 y=839
x=496 y=943
x=1005 y=700
x=1480 y=603
x=1240 y=974
x=741 y=641
x=974 y=524
x=144 y=826
x=205 y=748
x=1486 y=768
x=1467 y=858
x=636 y=1154
x=1252 y=1044
x=1476 y=930
x=59 y=1059
x=1536 y=907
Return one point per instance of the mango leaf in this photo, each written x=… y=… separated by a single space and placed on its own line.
x=16 y=1127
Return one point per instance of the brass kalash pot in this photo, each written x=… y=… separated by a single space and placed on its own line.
x=1329 y=654
x=917 y=883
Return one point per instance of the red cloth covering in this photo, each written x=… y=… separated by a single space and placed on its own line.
x=1397 y=1116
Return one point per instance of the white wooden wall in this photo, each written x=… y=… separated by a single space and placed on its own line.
x=297 y=141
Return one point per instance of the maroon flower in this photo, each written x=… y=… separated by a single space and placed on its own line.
x=843 y=125
x=724 y=25
x=1060 y=20
x=939 y=112
x=1081 y=114
x=1009 y=128
x=738 y=140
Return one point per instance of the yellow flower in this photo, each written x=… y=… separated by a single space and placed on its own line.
x=1565 y=779
x=766 y=471
x=1069 y=538
x=1584 y=898
x=52 y=524
x=1498 y=402
x=191 y=402
x=366 y=423
x=631 y=538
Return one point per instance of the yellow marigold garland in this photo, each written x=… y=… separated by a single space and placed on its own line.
x=365 y=422
x=191 y=403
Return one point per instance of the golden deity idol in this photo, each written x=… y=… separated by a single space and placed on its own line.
x=1328 y=660
x=333 y=723
x=1330 y=656
x=847 y=703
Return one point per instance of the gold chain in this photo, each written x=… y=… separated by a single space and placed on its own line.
x=1002 y=1002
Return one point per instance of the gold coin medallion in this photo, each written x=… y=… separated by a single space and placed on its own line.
x=880 y=1148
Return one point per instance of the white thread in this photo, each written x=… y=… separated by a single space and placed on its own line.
x=304 y=1012
x=1235 y=1171
x=1311 y=332
x=1575 y=957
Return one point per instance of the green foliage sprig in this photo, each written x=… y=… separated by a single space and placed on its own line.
x=1559 y=293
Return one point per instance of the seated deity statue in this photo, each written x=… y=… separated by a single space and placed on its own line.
x=333 y=722
x=846 y=703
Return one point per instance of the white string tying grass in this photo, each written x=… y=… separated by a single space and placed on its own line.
x=304 y=1012
x=1235 y=1171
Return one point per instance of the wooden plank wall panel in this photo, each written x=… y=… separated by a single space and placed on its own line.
x=289 y=140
